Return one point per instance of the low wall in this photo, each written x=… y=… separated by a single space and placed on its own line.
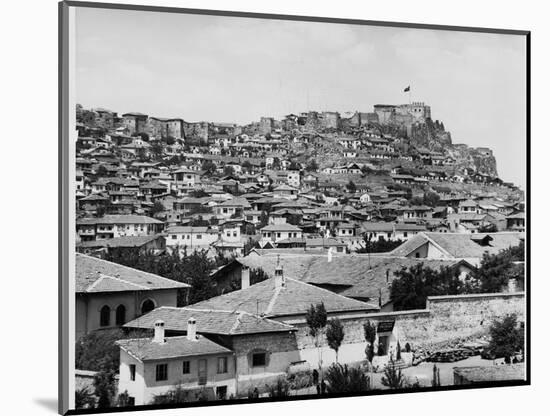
x=445 y=318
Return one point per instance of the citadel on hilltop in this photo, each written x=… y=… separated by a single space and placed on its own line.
x=391 y=135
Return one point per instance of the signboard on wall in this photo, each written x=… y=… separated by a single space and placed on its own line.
x=385 y=326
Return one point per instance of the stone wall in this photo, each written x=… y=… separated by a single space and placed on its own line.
x=445 y=318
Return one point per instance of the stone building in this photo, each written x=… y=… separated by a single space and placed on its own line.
x=134 y=122
x=108 y=295
x=266 y=125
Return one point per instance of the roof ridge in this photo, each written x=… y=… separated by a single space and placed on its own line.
x=332 y=293
x=130 y=268
x=273 y=299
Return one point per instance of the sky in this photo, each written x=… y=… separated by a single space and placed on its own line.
x=239 y=69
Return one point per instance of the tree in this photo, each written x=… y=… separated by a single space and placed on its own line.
x=96 y=351
x=431 y=199
x=102 y=171
x=496 y=270
x=416 y=200
x=507 y=337
x=247 y=165
x=312 y=166
x=379 y=246
x=436 y=379
x=351 y=187
x=393 y=378
x=208 y=167
x=369 y=330
x=104 y=384
x=143 y=136
x=228 y=171
x=412 y=286
x=157 y=148
x=342 y=379
x=83 y=399
x=157 y=208
x=193 y=269
x=335 y=335
x=316 y=319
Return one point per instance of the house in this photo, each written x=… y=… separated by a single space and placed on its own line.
x=262 y=348
x=279 y=232
x=285 y=191
x=190 y=239
x=231 y=208
x=113 y=226
x=435 y=245
x=467 y=206
x=345 y=230
x=151 y=367
x=108 y=294
x=516 y=222
x=141 y=244
x=286 y=300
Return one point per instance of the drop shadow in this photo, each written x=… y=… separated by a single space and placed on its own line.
x=49 y=404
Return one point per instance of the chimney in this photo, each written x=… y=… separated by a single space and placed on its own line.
x=245 y=277
x=192 y=329
x=329 y=254
x=279 y=276
x=159 y=332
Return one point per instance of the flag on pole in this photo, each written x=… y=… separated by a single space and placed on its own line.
x=407 y=89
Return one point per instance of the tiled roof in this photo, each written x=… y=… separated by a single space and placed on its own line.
x=120 y=219
x=460 y=245
x=209 y=321
x=281 y=227
x=376 y=281
x=190 y=230
x=95 y=275
x=266 y=299
x=127 y=241
x=144 y=349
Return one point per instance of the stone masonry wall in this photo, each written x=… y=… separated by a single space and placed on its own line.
x=445 y=318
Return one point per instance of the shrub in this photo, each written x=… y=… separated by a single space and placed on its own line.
x=280 y=389
x=344 y=379
x=393 y=378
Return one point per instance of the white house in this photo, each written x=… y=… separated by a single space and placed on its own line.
x=190 y=239
x=151 y=366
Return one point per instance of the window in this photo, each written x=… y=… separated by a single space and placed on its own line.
x=234 y=233
x=131 y=401
x=105 y=316
x=120 y=315
x=162 y=372
x=186 y=367
x=417 y=255
x=278 y=235
x=405 y=234
x=222 y=365
x=174 y=236
x=199 y=236
x=147 y=306
x=132 y=372
x=228 y=234
x=258 y=359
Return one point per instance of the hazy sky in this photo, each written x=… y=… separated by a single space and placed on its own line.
x=238 y=69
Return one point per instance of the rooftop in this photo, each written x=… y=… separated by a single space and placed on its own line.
x=144 y=349
x=95 y=275
x=209 y=321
